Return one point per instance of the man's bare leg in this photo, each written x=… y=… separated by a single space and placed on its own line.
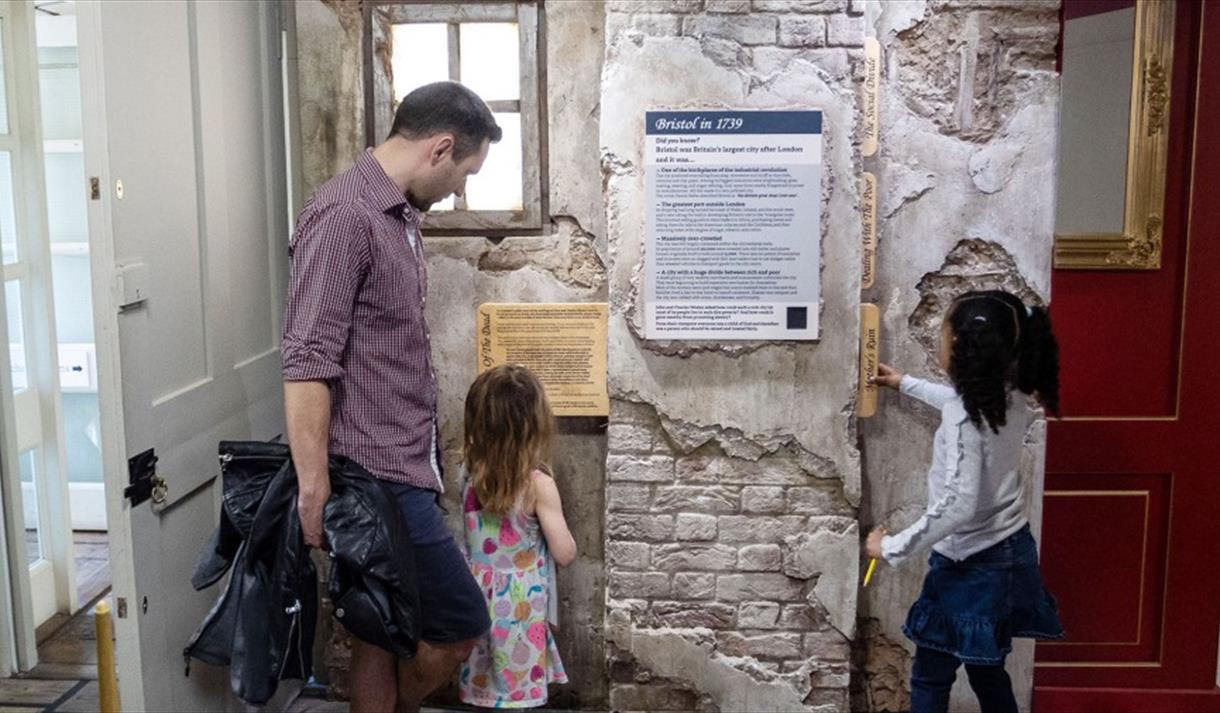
x=373 y=680
x=432 y=666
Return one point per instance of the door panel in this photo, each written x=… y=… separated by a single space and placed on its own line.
x=1126 y=624
x=193 y=130
x=1131 y=490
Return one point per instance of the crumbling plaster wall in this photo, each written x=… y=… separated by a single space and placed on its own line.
x=969 y=107
x=733 y=475
x=565 y=265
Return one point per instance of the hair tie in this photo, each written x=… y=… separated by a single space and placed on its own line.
x=1029 y=311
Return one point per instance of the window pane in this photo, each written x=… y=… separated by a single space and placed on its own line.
x=3 y=85
x=8 y=215
x=491 y=60
x=420 y=56
x=16 y=335
x=29 y=504
x=59 y=94
x=498 y=185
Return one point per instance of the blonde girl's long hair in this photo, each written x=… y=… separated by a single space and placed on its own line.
x=508 y=434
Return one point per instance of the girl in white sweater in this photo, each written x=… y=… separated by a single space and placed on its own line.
x=983 y=585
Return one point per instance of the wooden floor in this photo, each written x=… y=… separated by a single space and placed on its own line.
x=92 y=564
x=65 y=678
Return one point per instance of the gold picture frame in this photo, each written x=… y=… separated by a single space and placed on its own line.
x=1139 y=245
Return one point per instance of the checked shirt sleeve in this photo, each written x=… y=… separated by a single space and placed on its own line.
x=330 y=259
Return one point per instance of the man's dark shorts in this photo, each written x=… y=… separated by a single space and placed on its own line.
x=452 y=604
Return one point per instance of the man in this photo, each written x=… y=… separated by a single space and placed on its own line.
x=358 y=377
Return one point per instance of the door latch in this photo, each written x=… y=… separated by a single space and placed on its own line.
x=142 y=477
x=95 y=188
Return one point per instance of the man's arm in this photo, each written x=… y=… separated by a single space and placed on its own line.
x=329 y=260
x=307 y=411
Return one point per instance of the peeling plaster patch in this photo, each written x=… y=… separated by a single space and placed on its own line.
x=906 y=185
x=832 y=554
x=690 y=437
x=569 y=255
x=991 y=166
x=973 y=264
x=880 y=671
x=896 y=16
x=725 y=52
x=968 y=65
x=688 y=657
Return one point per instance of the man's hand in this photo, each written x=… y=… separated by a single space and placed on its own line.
x=307 y=411
x=887 y=376
x=311 y=503
x=872 y=546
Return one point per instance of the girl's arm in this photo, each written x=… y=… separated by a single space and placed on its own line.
x=956 y=505
x=549 y=510
x=935 y=395
x=931 y=393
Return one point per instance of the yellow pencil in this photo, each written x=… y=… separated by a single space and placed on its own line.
x=868 y=574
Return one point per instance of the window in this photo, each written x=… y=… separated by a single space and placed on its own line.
x=493 y=48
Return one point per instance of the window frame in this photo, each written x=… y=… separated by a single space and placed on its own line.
x=527 y=14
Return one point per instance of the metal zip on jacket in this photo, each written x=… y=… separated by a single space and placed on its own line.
x=295 y=611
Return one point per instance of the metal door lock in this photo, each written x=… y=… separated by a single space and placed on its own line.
x=160 y=490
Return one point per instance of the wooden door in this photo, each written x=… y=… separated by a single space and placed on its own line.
x=184 y=129
x=1133 y=473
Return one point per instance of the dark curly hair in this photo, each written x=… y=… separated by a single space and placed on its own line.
x=998 y=344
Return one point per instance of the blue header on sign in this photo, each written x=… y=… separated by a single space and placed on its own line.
x=734 y=122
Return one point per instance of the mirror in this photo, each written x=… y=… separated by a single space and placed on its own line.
x=1117 y=56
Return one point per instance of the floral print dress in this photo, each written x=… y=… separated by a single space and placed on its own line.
x=512 y=665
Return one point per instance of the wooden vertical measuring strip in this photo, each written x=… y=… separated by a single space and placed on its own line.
x=872 y=97
x=870 y=316
x=870 y=338
x=868 y=214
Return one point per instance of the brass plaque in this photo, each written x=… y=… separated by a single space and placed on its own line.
x=868 y=213
x=870 y=338
x=564 y=344
x=872 y=96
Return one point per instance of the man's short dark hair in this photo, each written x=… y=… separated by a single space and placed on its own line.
x=446 y=107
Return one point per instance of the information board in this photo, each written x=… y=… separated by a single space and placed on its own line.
x=564 y=344
x=733 y=224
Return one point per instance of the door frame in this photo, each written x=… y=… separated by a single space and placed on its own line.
x=49 y=586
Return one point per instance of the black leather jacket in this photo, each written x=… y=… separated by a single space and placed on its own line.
x=263 y=623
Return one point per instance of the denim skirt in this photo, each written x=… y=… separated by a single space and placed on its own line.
x=973 y=608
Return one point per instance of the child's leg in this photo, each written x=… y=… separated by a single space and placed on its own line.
x=993 y=687
x=932 y=676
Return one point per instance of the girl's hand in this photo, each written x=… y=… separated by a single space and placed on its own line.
x=887 y=376
x=872 y=546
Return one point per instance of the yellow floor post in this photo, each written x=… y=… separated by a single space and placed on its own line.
x=107 y=681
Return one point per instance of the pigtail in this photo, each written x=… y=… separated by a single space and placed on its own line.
x=1038 y=360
